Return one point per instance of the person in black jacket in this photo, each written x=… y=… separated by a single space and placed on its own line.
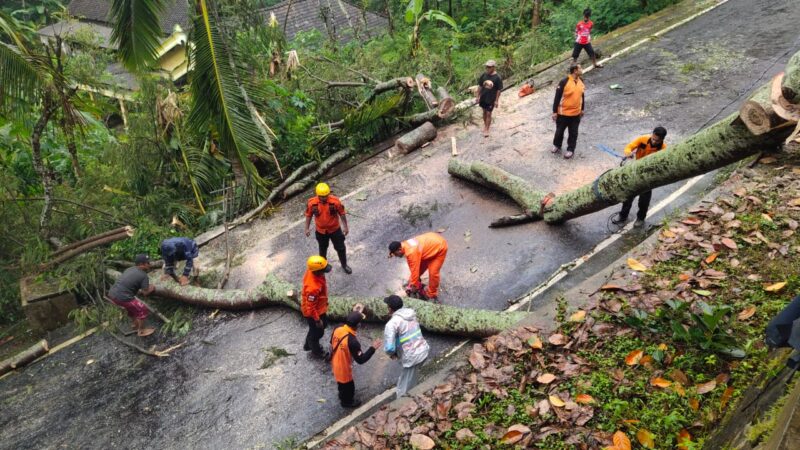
x=345 y=348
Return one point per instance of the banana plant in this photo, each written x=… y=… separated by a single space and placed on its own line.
x=415 y=17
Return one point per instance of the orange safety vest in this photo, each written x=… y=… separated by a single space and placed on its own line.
x=326 y=215
x=572 y=97
x=425 y=247
x=314 y=301
x=341 y=359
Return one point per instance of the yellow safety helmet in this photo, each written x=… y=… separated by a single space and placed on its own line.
x=316 y=263
x=322 y=189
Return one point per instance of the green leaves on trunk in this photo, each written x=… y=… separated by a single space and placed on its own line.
x=137 y=31
x=219 y=100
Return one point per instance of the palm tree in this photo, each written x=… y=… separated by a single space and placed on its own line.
x=221 y=106
x=32 y=75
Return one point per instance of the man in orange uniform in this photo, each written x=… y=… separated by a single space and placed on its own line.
x=639 y=148
x=314 y=304
x=346 y=348
x=425 y=252
x=568 y=109
x=327 y=210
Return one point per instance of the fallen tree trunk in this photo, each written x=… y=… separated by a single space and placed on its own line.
x=402 y=82
x=446 y=103
x=436 y=318
x=324 y=166
x=426 y=91
x=75 y=251
x=723 y=143
x=24 y=358
x=432 y=115
x=65 y=248
x=415 y=138
x=277 y=192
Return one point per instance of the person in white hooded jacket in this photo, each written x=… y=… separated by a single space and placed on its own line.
x=402 y=339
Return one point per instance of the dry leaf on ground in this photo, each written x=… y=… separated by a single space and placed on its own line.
x=684 y=438
x=660 y=382
x=636 y=265
x=705 y=388
x=579 y=316
x=747 y=313
x=728 y=242
x=694 y=404
x=621 y=441
x=645 y=438
x=775 y=287
x=557 y=339
x=535 y=342
x=546 y=378
x=421 y=442
x=555 y=401
x=584 y=399
x=634 y=357
x=710 y=258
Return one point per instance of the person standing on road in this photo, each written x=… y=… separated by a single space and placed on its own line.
x=327 y=211
x=488 y=94
x=639 y=148
x=568 y=107
x=346 y=349
x=402 y=339
x=132 y=282
x=425 y=252
x=314 y=303
x=583 y=39
x=176 y=249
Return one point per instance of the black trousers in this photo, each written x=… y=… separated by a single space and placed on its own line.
x=347 y=392
x=644 y=203
x=315 y=334
x=562 y=124
x=338 y=244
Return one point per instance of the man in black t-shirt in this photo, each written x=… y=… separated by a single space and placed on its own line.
x=489 y=87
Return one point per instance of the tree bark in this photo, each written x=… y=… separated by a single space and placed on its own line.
x=63 y=248
x=432 y=115
x=24 y=358
x=425 y=91
x=791 y=82
x=783 y=107
x=447 y=105
x=86 y=247
x=536 y=17
x=415 y=138
x=432 y=317
x=313 y=177
x=42 y=169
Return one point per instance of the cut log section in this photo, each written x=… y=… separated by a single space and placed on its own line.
x=790 y=85
x=447 y=105
x=68 y=247
x=757 y=112
x=24 y=358
x=415 y=138
x=89 y=244
x=782 y=107
x=433 y=317
x=426 y=91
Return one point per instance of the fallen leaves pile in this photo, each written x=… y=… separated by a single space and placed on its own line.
x=597 y=381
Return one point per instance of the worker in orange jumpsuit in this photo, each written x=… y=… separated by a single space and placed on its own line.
x=639 y=148
x=425 y=252
x=314 y=303
x=327 y=211
x=345 y=349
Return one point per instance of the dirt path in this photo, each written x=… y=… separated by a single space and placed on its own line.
x=212 y=394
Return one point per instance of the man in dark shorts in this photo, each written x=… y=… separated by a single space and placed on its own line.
x=489 y=87
x=123 y=293
x=583 y=39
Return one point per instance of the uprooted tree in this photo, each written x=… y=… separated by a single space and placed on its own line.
x=765 y=121
x=437 y=318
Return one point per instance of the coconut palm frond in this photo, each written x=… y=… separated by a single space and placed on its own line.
x=367 y=114
x=136 y=31
x=18 y=77
x=219 y=100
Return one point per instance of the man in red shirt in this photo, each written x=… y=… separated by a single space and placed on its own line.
x=583 y=39
x=327 y=211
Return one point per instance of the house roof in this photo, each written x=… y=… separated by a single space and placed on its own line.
x=69 y=28
x=307 y=15
x=175 y=13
